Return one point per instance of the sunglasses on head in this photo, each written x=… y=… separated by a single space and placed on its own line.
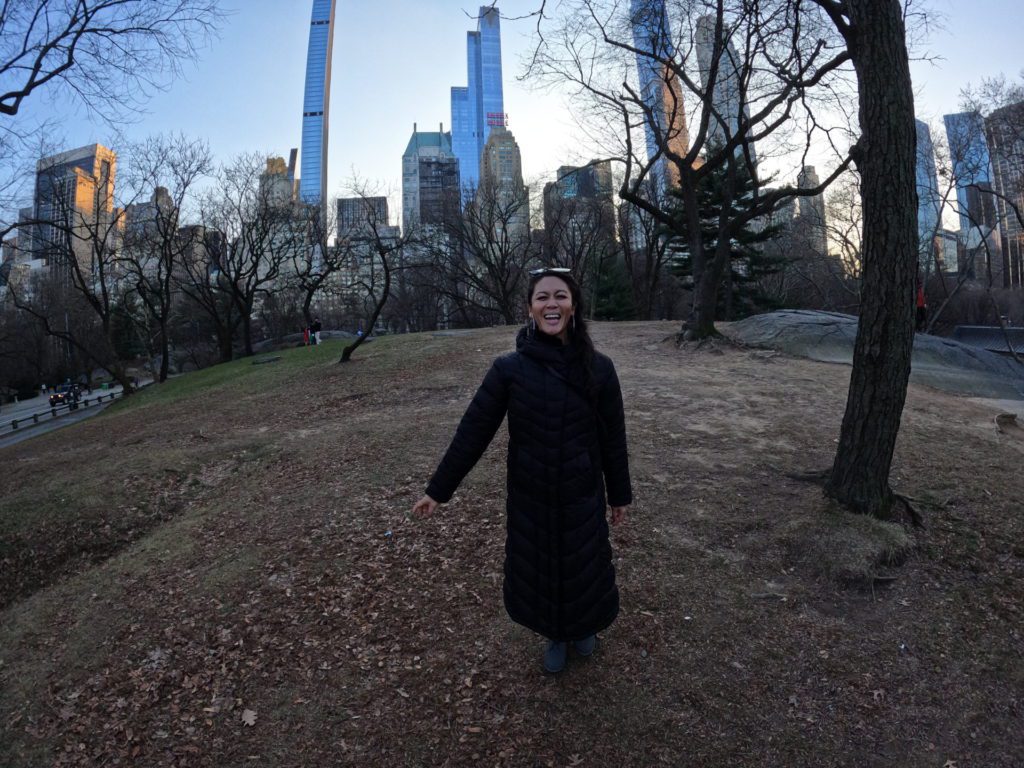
x=550 y=271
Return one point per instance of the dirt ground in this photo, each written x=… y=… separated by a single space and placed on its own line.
x=228 y=576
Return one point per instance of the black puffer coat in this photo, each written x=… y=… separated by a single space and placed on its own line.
x=563 y=450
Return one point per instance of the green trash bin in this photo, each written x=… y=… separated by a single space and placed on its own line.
x=105 y=385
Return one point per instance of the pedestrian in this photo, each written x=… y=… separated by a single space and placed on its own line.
x=315 y=329
x=305 y=336
x=567 y=447
x=921 y=312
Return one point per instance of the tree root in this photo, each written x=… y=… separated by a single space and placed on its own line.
x=821 y=476
x=915 y=517
x=818 y=476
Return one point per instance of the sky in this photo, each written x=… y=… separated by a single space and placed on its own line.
x=396 y=60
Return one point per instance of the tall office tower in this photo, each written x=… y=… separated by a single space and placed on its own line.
x=501 y=182
x=277 y=187
x=478 y=107
x=1005 y=131
x=430 y=178
x=26 y=232
x=929 y=200
x=357 y=214
x=660 y=89
x=144 y=219
x=362 y=223
x=581 y=200
x=501 y=165
x=75 y=190
x=812 y=211
x=728 y=100
x=316 y=104
x=592 y=181
x=979 y=240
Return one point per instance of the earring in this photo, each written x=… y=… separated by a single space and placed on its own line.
x=531 y=326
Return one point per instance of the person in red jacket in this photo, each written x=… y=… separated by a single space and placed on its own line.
x=921 y=315
x=567 y=467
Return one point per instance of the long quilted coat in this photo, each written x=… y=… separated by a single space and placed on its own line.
x=563 y=450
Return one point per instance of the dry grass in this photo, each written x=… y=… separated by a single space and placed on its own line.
x=229 y=551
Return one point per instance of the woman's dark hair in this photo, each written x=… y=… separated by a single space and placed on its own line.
x=578 y=334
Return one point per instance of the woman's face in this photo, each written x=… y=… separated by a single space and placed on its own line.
x=551 y=307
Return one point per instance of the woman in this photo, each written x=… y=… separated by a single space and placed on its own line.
x=567 y=442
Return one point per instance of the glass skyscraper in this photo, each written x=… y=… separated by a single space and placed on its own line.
x=1004 y=131
x=313 y=178
x=968 y=152
x=728 y=97
x=480 y=105
x=659 y=87
x=929 y=200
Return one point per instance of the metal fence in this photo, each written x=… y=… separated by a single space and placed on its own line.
x=56 y=411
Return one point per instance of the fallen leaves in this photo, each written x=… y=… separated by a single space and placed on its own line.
x=248 y=717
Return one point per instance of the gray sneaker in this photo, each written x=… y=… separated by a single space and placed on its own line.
x=554 y=656
x=586 y=646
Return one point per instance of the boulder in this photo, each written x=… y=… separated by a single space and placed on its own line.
x=829 y=336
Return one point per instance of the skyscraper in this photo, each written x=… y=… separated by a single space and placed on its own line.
x=430 y=178
x=501 y=165
x=315 y=104
x=74 y=190
x=812 y=211
x=579 y=212
x=358 y=214
x=480 y=105
x=659 y=88
x=1004 y=129
x=968 y=151
x=501 y=183
x=728 y=99
x=929 y=200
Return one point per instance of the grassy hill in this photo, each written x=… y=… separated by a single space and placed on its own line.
x=221 y=571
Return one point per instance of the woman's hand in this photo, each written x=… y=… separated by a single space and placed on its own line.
x=425 y=507
x=618 y=514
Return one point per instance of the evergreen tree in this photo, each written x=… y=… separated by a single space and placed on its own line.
x=613 y=297
x=749 y=262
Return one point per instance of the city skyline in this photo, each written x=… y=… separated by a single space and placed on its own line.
x=260 y=111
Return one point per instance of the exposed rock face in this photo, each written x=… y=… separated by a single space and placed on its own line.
x=937 y=362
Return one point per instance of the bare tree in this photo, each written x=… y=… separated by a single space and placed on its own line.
x=85 y=286
x=258 y=232
x=374 y=249
x=483 y=253
x=735 y=82
x=26 y=353
x=104 y=53
x=165 y=170
x=646 y=255
x=315 y=263
x=206 y=290
x=579 y=233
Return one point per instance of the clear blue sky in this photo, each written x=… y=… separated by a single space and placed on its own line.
x=395 y=61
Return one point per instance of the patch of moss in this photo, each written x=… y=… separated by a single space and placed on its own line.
x=846 y=547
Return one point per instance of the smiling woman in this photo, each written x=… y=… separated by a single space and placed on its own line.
x=567 y=462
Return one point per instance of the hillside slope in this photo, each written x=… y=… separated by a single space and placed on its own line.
x=221 y=571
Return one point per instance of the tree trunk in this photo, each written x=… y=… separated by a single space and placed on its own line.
x=165 y=353
x=886 y=156
x=225 y=342
x=247 y=332
x=346 y=353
